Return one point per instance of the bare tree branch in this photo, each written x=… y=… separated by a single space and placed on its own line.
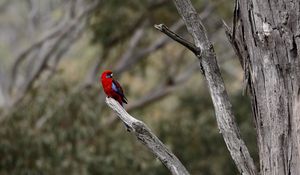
x=3 y=5
x=91 y=76
x=36 y=45
x=147 y=138
x=52 y=45
x=72 y=9
x=134 y=41
x=42 y=65
x=224 y=114
x=159 y=43
x=142 y=53
x=174 y=36
x=164 y=90
x=64 y=27
x=65 y=46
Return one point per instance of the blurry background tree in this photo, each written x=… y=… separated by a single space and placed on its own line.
x=53 y=118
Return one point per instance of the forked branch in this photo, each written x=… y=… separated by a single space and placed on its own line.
x=223 y=110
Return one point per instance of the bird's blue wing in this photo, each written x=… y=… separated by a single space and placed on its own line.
x=118 y=89
x=115 y=88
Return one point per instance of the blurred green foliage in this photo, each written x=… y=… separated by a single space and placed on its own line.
x=116 y=19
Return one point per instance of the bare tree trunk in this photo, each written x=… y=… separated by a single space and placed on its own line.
x=266 y=38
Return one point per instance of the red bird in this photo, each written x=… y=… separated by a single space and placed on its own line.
x=112 y=88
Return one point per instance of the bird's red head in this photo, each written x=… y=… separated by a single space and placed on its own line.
x=106 y=74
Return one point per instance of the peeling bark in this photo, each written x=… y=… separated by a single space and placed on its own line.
x=267 y=38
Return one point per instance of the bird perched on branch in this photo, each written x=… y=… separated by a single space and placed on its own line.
x=112 y=88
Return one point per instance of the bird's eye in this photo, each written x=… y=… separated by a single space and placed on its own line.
x=109 y=75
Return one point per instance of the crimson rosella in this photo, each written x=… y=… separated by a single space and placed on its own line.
x=112 y=88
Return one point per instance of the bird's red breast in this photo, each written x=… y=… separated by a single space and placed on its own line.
x=106 y=83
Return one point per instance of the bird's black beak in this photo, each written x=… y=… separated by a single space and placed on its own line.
x=109 y=75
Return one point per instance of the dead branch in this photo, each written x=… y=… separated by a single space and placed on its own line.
x=65 y=46
x=138 y=55
x=134 y=41
x=164 y=90
x=65 y=25
x=49 y=47
x=224 y=114
x=179 y=39
x=150 y=140
x=157 y=44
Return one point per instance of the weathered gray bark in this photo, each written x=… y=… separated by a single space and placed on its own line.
x=267 y=39
x=203 y=49
x=146 y=137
